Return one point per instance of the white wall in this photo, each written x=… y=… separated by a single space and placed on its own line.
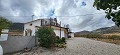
x=5 y=30
x=17 y=43
x=4 y=35
x=57 y=32
x=72 y=35
x=1 y=50
x=32 y=27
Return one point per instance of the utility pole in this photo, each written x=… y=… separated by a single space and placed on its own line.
x=50 y=22
x=32 y=17
x=60 y=29
x=35 y=36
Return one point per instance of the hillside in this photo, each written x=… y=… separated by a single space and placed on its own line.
x=17 y=27
x=105 y=30
x=83 y=32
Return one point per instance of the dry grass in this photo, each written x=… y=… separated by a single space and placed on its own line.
x=110 y=34
x=110 y=38
x=109 y=41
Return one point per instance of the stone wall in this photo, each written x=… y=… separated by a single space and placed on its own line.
x=17 y=43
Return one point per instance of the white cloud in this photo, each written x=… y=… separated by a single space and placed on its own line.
x=62 y=8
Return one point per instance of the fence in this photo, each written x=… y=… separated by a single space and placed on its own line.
x=17 y=43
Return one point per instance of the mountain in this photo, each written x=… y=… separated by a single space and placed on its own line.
x=82 y=32
x=17 y=27
x=105 y=30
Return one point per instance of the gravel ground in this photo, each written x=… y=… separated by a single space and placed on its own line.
x=79 y=46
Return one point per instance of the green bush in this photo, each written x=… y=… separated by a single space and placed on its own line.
x=63 y=40
x=114 y=37
x=60 y=42
x=92 y=35
x=100 y=36
x=58 y=39
x=46 y=37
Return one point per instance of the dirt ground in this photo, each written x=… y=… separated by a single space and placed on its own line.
x=79 y=46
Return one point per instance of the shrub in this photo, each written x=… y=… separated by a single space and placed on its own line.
x=45 y=37
x=100 y=36
x=63 y=40
x=93 y=35
x=58 y=39
x=60 y=42
x=114 y=37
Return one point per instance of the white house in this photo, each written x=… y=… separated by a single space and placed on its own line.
x=31 y=27
x=61 y=32
x=72 y=35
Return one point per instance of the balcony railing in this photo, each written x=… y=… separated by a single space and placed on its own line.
x=55 y=24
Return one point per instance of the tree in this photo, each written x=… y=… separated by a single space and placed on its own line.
x=111 y=7
x=4 y=23
x=45 y=37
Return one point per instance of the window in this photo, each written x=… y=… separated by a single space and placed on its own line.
x=45 y=22
x=31 y=24
x=28 y=32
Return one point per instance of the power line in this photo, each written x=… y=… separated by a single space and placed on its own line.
x=59 y=16
x=81 y=15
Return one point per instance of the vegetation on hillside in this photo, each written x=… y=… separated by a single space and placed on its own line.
x=101 y=36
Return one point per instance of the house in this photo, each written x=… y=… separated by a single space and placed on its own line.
x=72 y=34
x=31 y=27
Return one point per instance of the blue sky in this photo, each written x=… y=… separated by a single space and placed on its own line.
x=71 y=12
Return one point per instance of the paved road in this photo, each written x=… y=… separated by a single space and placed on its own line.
x=82 y=46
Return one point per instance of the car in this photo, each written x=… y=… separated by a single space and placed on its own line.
x=1 y=50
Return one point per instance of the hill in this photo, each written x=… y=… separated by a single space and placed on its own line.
x=105 y=30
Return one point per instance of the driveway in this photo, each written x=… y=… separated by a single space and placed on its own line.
x=81 y=46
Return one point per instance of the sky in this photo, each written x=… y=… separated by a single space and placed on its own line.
x=79 y=14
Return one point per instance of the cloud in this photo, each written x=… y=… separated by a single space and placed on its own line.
x=82 y=21
x=13 y=8
x=67 y=11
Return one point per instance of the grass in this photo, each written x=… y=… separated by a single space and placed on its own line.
x=101 y=36
x=91 y=35
x=108 y=41
x=112 y=38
